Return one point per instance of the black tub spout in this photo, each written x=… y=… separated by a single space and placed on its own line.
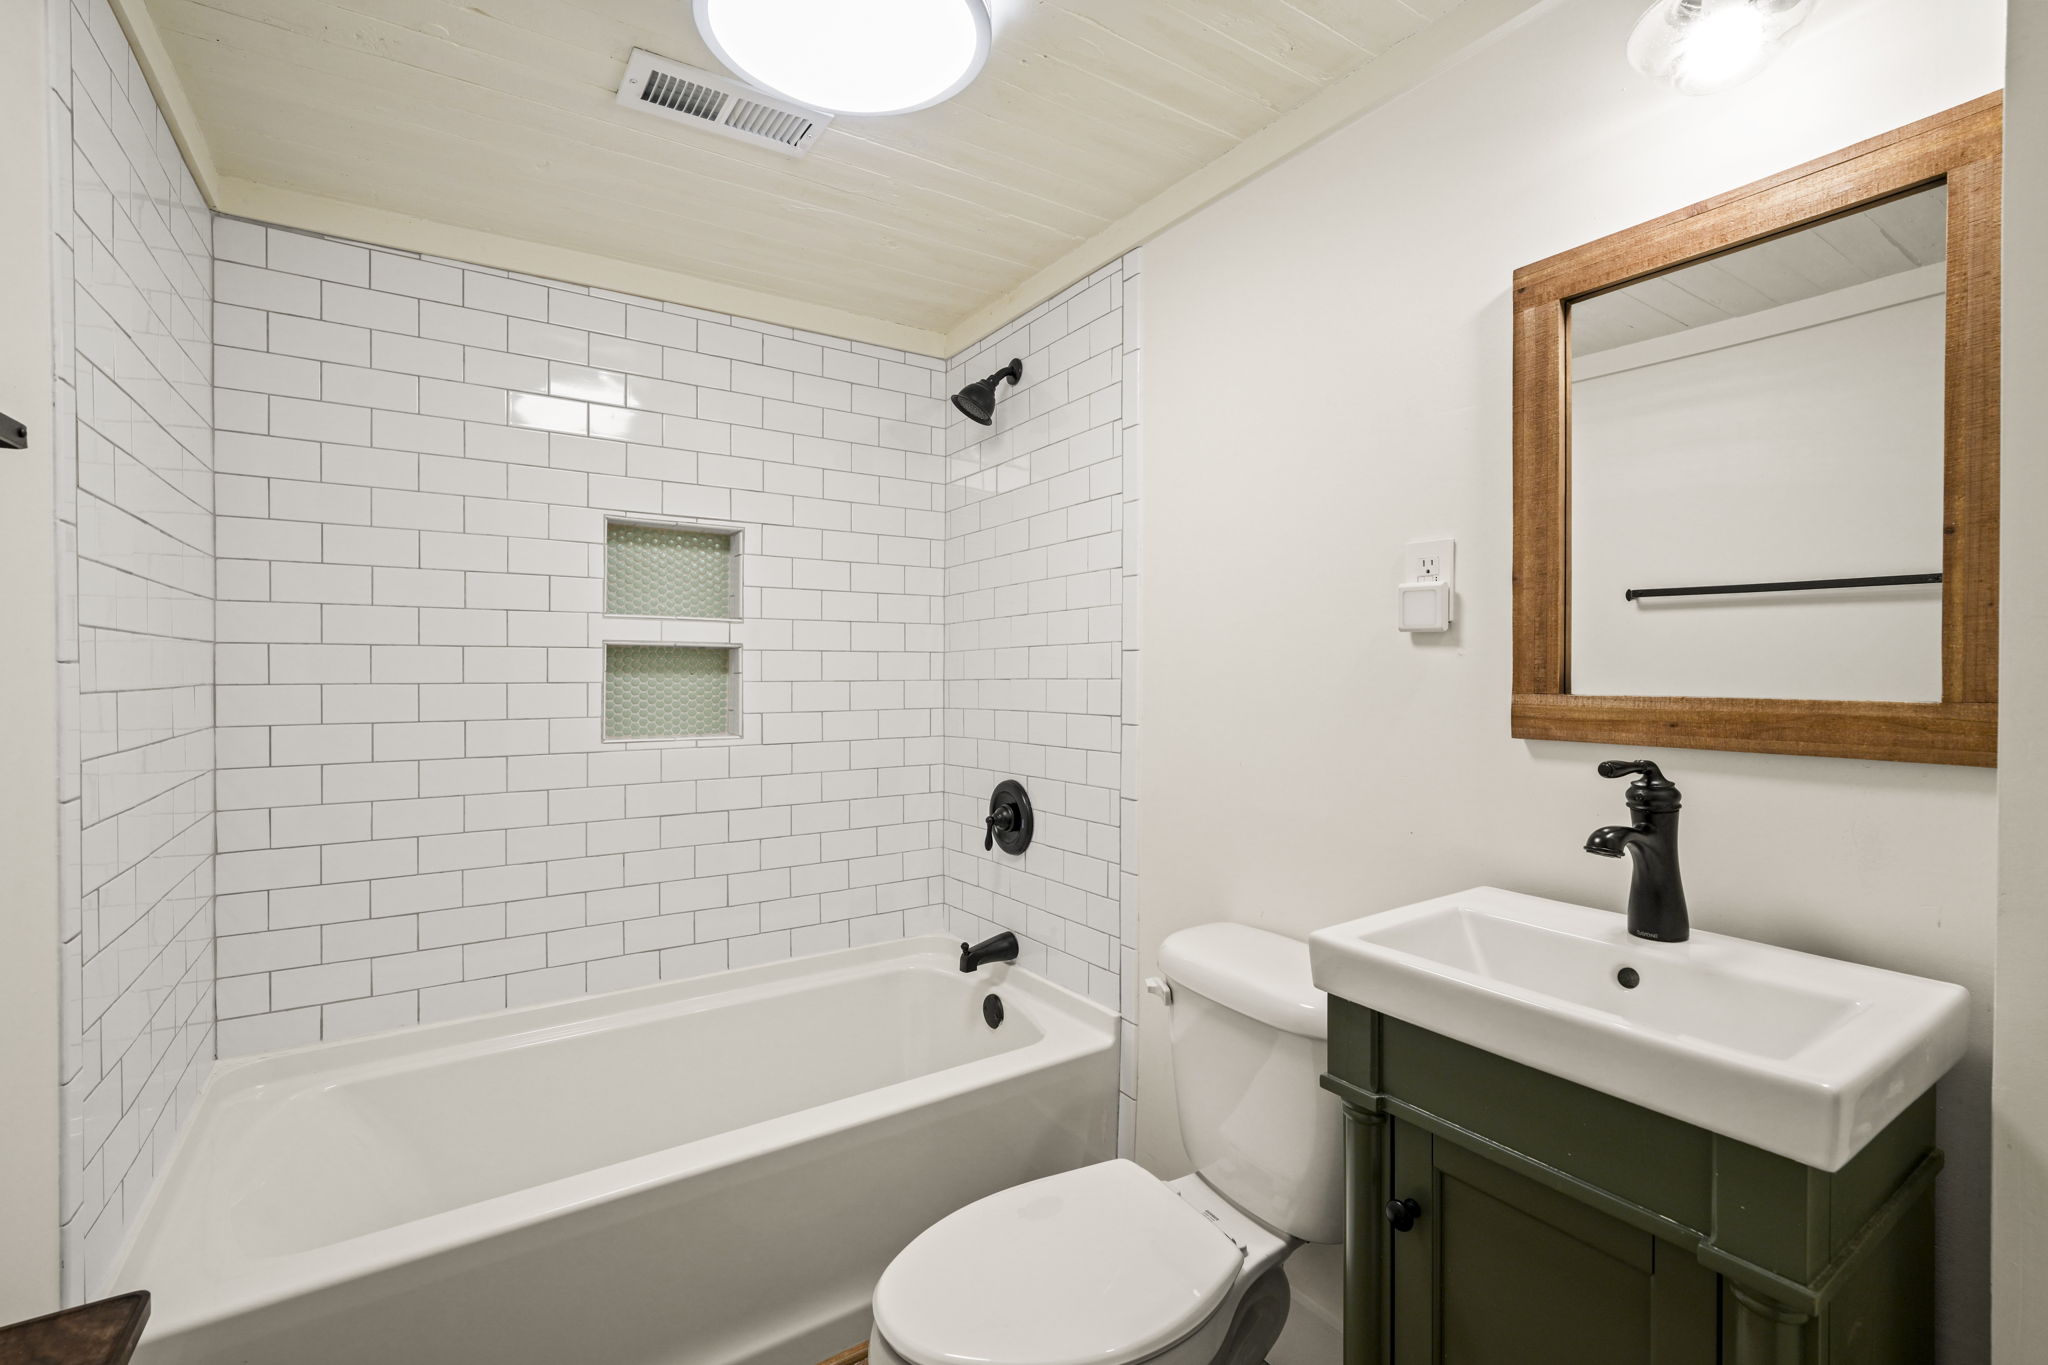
x=1001 y=948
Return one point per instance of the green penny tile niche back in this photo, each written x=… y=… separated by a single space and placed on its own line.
x=667 y=571
x=667 y=691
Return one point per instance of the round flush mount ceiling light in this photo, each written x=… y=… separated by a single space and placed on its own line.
x=1701 y=47
x=851 y=56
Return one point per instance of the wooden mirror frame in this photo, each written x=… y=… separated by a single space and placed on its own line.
x=1961 y=147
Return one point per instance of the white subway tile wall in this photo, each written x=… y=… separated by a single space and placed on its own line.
x=420 y=818
x=133 y=450
x=1042 y=643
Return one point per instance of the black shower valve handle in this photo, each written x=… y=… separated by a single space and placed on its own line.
x=1009 y=820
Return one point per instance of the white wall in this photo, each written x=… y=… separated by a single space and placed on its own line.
x=134 y=510
x=1807 y=449
x=2019 y=1161
x=1327 y=376
x=419 y=817
x=28 y=678
x=1041 y=591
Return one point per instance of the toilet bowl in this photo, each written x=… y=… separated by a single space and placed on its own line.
x=1110 y=1265
x=1104 y=1265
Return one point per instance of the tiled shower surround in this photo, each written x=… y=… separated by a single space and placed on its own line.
x=133 y=450
x=1040 y=662
x=419 y=817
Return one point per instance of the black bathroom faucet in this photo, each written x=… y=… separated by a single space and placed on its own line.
x=1656 y=896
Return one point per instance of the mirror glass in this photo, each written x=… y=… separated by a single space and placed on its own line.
x=1764 y=418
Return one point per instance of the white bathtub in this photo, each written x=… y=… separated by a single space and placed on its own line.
x=703 y=1172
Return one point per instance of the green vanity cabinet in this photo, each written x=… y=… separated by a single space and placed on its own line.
x=1510 y=1270
x=1552 y=1224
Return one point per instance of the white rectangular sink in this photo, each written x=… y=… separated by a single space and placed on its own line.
x=1805 y=1056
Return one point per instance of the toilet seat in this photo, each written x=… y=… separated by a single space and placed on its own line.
x=1104 y=1265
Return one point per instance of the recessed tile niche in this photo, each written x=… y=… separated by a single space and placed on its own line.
x=657 y=689
x=670 y=691
x=680 y=571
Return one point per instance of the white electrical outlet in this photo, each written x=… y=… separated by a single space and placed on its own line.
x=1424 y=597
x=1430 y=561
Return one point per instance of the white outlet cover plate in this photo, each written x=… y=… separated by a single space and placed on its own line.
x=1430 y=559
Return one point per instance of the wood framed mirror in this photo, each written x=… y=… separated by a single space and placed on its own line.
x=1756 y=464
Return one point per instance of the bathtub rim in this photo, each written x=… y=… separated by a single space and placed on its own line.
x=1072 y=1029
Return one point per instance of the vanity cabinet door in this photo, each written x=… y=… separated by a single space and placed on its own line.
x=1498 y=1270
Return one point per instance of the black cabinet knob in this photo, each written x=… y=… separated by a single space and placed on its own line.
x=1402 y=1213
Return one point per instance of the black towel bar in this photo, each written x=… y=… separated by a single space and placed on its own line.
x=1802 y=585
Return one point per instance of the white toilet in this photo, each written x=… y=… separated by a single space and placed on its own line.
x=1109 y=1265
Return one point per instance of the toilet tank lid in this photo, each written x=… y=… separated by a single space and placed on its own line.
x=1260 y=974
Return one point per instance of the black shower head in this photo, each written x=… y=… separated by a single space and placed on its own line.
x=978 y=400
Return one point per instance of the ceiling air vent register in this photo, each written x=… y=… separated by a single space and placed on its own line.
x=717 y=104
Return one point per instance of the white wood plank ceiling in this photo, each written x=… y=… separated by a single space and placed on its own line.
x=498 y=116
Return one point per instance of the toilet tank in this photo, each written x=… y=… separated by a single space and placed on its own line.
x=1249 y=1034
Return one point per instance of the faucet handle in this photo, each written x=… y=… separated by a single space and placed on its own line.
x=1651 y=791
